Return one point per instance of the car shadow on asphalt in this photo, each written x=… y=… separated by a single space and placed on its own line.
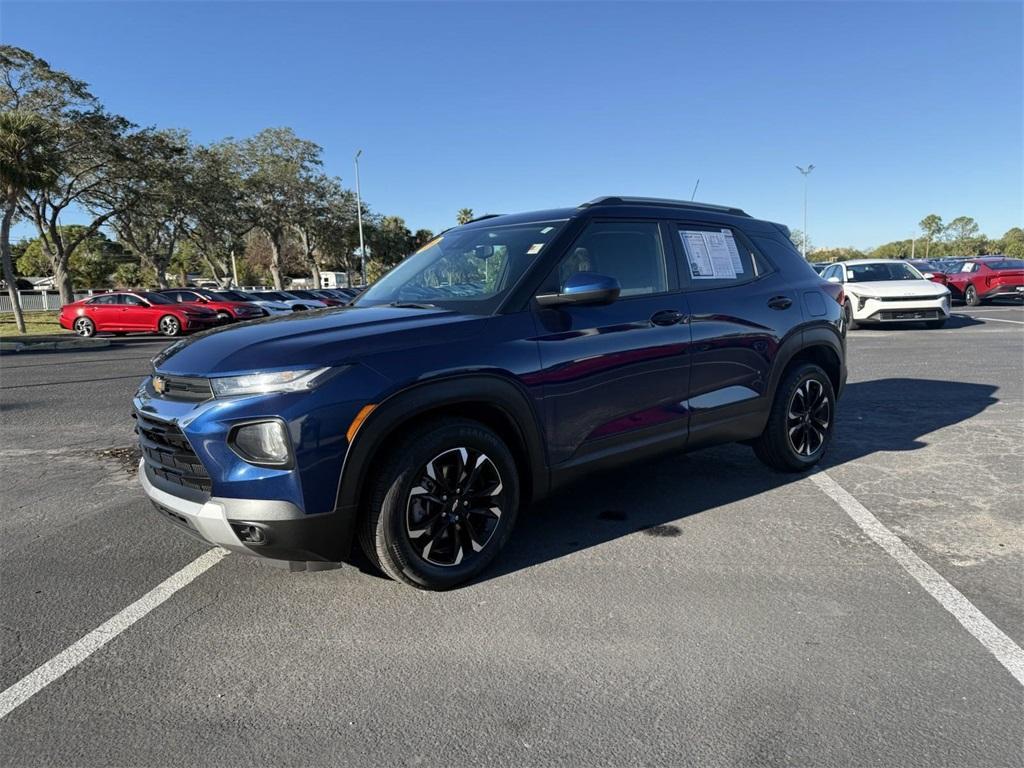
x=649 y=498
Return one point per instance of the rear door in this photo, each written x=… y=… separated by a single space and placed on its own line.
x=104 y=312
x=615 y=375
x=741 y=309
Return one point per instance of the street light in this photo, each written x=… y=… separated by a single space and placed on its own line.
x=806 y=172
x=359 y=216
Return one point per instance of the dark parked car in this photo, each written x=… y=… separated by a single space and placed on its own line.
x=510 y=356
x=228 y=310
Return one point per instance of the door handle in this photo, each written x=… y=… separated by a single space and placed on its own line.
x=668 y=317
x=780 y=302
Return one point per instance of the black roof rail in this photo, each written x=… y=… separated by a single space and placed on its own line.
x=661 y=202
x=485 y=216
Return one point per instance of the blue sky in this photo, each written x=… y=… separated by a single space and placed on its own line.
x=905 y=108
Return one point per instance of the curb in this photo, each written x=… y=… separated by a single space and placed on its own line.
x=39 y=346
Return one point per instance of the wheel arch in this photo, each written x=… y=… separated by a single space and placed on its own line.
x=492 y=399
x=820 y=345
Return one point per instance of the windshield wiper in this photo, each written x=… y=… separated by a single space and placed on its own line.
x=411 y=305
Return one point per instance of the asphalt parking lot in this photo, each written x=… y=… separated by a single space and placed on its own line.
x=697 y=609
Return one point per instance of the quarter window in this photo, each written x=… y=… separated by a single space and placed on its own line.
x=631 y=252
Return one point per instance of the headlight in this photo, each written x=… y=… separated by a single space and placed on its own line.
x=262 y=442
x=275 y=381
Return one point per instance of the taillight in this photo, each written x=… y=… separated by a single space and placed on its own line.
x=835 y=290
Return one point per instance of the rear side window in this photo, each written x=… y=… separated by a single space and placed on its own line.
x=716 y=257
x=630 y=251
x=104 y=300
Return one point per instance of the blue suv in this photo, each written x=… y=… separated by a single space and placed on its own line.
x=505 y=358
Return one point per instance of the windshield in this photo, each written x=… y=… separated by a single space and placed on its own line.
x=305 y=295
x=155 y=298
x=271 y=296
x=469 y=269
x=869 y=273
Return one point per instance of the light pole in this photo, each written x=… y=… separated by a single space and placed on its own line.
x=359 y=216
x=806 y=172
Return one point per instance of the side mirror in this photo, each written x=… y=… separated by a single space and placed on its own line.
x=834 y=279
x=583 y=288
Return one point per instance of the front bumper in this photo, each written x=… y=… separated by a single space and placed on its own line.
x=287 y=533
x=908 y=311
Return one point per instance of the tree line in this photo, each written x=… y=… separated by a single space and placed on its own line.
x=154 y=206
x=960 y=237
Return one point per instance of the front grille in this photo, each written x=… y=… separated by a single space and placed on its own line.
x=169 y=456
x=908 y=298
x=910 y=314
x=187 y=388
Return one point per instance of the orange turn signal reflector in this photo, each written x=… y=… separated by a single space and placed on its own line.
x=357 y=422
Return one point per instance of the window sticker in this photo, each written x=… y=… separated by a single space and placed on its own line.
x=734 y=252
x=546 y=230
x=534 y=249
x=709 y=256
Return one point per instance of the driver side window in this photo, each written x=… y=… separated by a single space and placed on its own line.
x=631 y=252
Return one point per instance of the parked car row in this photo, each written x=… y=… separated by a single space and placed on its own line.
x=894 y=291
x=174 y=311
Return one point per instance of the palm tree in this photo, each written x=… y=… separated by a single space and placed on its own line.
x=26 y=163
x=464 y=216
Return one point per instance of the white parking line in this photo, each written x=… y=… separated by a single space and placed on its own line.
x=75 y=654
x=998 y=643
x=1000 y=320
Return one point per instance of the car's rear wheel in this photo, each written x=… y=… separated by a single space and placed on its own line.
x=223 y=317
x=444 y=505
x=851 y=324
x=971 y=297
x=85 y=327
x=169 y=325
x=801 y=422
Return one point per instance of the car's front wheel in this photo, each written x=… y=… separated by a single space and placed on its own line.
x=851 y=324
x=443 y=506
x=801 y=421
x=169 y=325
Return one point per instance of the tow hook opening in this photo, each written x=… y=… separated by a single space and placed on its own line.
x=251 y=533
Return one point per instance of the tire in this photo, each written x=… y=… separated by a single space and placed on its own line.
x=457 y=542
x=851 y=324
x=795 y=444
x=971 y=297
x=224 y=317
x=935 y=323
x=299 y=308
x=84 y=327
x=169 y=325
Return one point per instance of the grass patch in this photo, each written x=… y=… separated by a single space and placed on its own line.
x=36 y=323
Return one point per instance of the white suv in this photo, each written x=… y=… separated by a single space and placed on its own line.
x=888 y=291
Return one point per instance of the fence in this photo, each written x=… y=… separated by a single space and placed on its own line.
x=38 y=301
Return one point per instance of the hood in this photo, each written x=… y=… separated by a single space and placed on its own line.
x=304 y=340
x=896 y=289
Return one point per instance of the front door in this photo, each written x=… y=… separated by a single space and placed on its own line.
x=614 y=375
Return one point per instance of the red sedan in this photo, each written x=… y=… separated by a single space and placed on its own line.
x=987 y=277
x=134 y=311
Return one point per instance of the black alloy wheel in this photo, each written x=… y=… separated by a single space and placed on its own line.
x=801 y=422
x=442 y=504
x=454 y=509
x=809 y=418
